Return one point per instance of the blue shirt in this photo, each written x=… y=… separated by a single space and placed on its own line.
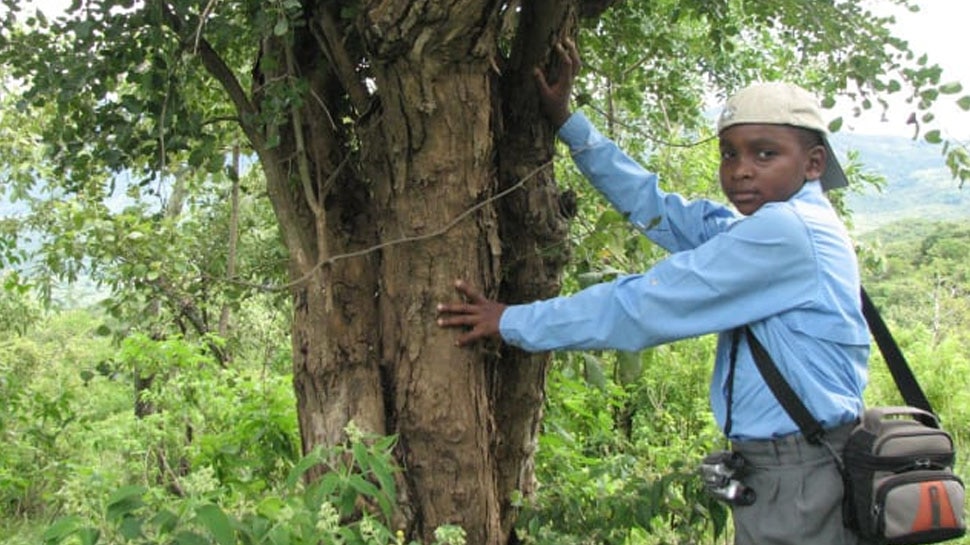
x=788 y=270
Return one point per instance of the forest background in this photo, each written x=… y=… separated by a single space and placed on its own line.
x=146 y=399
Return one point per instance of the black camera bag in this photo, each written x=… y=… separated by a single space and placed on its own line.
x=900 y=486
x=897 y=464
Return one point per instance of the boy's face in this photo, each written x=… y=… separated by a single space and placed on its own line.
x=766 y=163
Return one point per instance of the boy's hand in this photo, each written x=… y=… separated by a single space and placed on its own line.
x=554 y=98
x=479 y=316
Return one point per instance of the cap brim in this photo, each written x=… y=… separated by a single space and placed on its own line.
x=834 y=176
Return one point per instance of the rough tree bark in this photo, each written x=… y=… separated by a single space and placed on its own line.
x=417 y=156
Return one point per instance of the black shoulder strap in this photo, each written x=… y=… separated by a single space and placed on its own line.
x=905 y=380
x=810 y=428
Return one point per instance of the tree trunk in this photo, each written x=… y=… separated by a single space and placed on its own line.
x=384 y=215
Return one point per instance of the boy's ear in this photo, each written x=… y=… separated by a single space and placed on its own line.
x=817 y=157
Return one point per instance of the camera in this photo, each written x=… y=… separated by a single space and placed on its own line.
x=720 y=472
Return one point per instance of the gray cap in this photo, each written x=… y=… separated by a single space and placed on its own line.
x=780 y=103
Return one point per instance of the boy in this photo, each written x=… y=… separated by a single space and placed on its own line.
x=785 y=267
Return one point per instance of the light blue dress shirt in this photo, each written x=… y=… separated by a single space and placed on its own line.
x=788 y=270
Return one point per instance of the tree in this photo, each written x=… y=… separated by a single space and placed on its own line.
x=402 y=148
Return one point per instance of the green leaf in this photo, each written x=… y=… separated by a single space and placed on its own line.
x=186 y=537
x=217 y=522
x=130 y=527
x=361 y=455
x=951 y=88
x=347 y=501
x=328 y=483
x=89 y=536
x=363 y=486
x=165 y=521
x=385 y=476
x=629 y=367
x=302 y=467
x=61 y=529
x=279 y=536
x=281 y=27
x=964 y=103
x=270 y=507
x=124 y=501
x=933 y=137
x=835 y=124
x=594 y=371
x=386 y=443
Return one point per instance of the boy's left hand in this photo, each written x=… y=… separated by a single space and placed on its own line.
x=554 y=97
x=480 y=316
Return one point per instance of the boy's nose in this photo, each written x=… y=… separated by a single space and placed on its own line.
x=743 y=169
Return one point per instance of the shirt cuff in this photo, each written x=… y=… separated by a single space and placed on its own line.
x=509 y=326
x=577 y=131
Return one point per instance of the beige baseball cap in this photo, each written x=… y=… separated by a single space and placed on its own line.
x=780 y=103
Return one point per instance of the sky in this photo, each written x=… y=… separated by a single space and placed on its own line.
x=938 y=29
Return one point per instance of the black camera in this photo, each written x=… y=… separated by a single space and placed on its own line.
x=720 y=472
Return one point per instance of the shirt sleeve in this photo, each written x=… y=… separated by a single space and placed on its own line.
x=667 y=219
x=763 y=265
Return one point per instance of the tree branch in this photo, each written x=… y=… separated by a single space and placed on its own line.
x=327 y=37
x=303 y=164
x=214 y=64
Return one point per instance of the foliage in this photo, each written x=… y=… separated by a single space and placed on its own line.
x=246 y=483
x=617 y=457
x=651 y=63
x=919 y=279
x=922 y=267
x=18 y=310
x=326 y=511
x=44 y=413
x=72 y=437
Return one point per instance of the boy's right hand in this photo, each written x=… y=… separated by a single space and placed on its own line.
x=554 y=98
x=477 y=316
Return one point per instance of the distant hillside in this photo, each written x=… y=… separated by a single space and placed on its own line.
x=918 y=184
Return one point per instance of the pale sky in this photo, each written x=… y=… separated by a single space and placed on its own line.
x=939 y=29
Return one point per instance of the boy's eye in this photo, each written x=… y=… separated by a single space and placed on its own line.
x=766 y=154
x=727 y=154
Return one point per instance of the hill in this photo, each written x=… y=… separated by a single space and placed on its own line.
x=918 y=184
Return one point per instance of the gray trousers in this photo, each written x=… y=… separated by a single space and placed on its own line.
x=799 y=493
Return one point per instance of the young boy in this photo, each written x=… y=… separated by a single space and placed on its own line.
x=782 y=264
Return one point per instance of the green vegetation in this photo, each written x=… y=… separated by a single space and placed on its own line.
x=621 y=433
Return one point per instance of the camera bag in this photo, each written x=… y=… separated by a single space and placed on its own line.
x=897 y=464
x=900 y=487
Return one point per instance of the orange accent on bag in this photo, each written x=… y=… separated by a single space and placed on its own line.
x=935 y=509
